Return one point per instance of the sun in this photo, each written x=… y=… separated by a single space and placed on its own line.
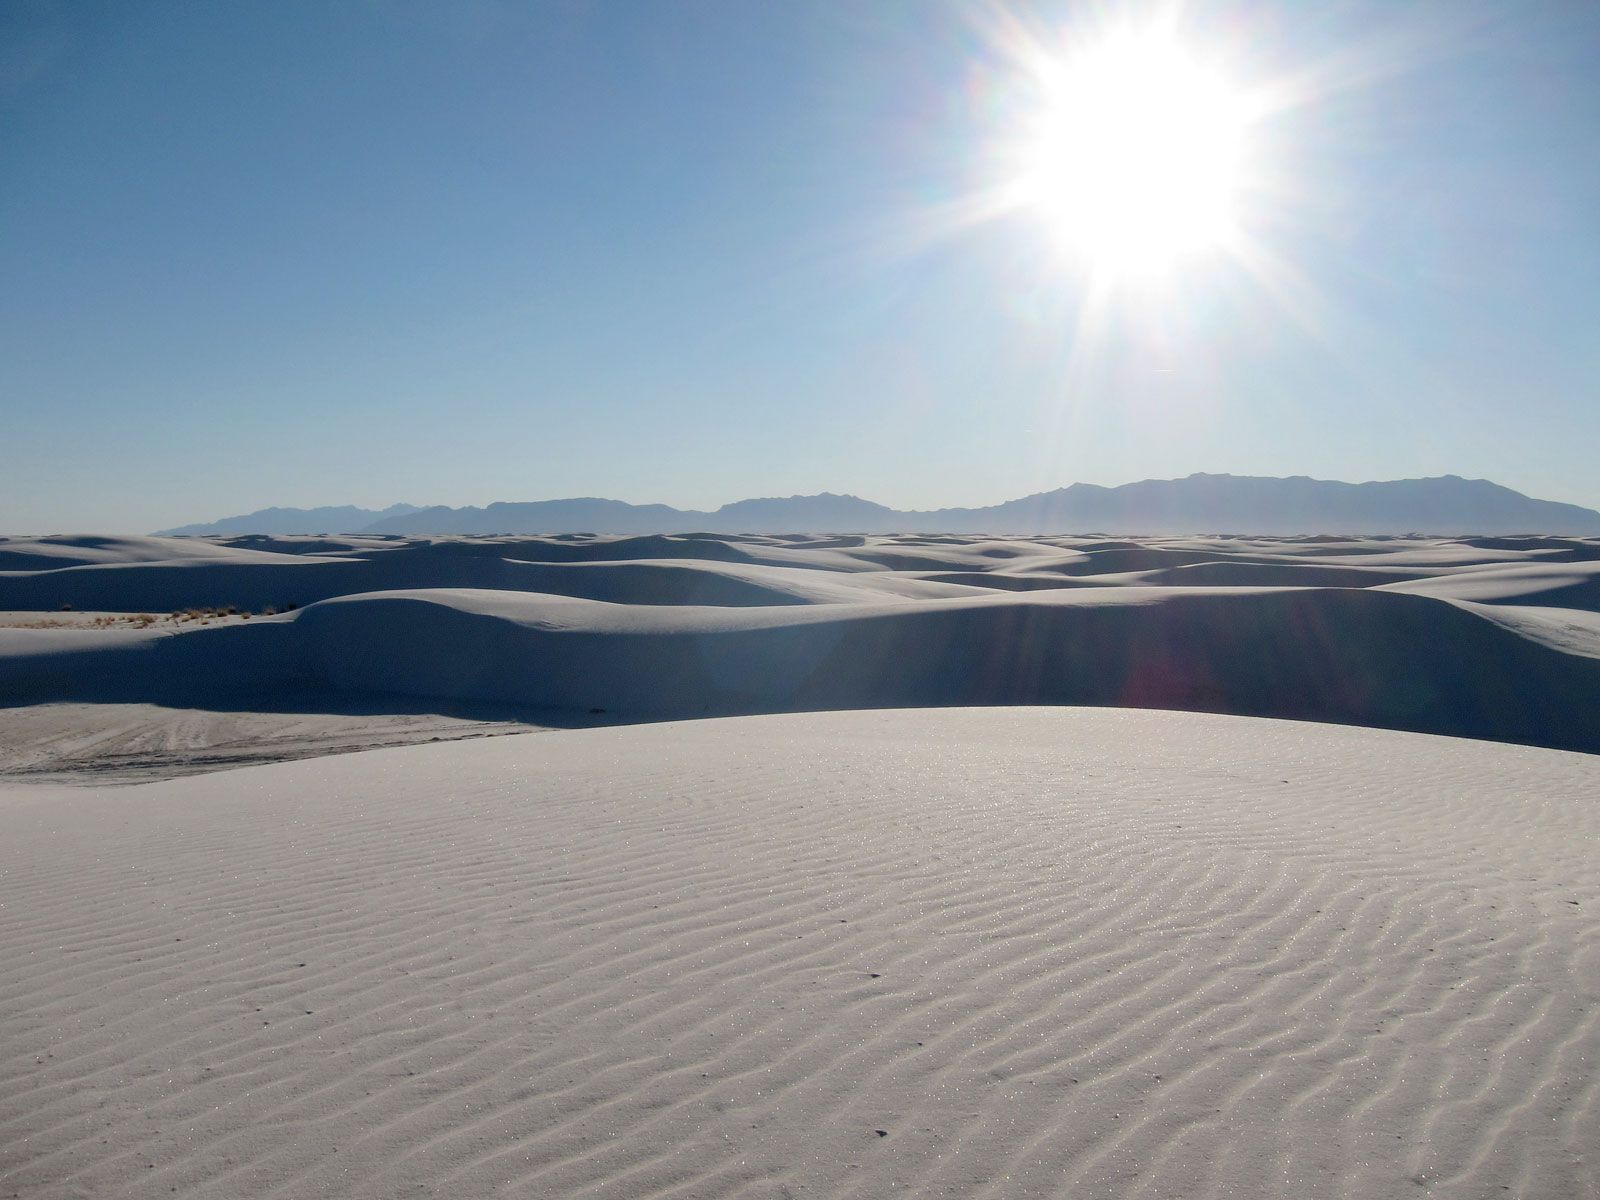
x=1135 y=154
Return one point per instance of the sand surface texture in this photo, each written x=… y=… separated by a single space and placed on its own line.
x=130 y=743
x=983 y=952
x=291 y=643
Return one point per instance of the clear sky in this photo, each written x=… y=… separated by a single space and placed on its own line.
x=360 y=252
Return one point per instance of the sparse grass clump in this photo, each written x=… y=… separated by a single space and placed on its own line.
x=200 y=614
x=142 y=620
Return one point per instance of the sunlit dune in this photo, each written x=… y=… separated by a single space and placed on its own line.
x=1015 y=952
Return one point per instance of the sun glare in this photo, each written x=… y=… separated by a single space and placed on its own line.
x=1134 y=157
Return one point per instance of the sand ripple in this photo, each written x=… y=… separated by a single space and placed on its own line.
x=1084 y=953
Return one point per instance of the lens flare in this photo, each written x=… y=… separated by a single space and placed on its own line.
x=1134 y=157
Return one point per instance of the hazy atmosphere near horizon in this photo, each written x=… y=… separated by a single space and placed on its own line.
x=321 y=254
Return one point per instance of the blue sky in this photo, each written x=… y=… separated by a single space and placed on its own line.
x=361 y=252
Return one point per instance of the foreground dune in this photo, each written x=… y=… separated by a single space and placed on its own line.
x=998 y=952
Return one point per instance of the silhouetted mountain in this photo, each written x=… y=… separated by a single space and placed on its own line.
x=1264 y=504
x=795 y=514
x=1445 y=504
x=337 y=519
x=586 y=514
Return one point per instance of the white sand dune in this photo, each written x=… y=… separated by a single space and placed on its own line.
x=1574 y=585
x=1572 y=631
x=130 y=743
x=907 y=947
x=1339 y=655
x=19 y=554
x=1486 y=638
x=999 y=952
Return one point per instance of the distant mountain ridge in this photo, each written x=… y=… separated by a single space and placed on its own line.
x=1200 y=503
x=343 y=518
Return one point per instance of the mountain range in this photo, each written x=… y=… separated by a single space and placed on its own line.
x=340 y=518
x=1446 y=504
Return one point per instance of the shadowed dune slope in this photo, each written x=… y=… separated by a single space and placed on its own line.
x=1352 y=656
x=165 y=574
x=1335 y=655
x=1403 y=633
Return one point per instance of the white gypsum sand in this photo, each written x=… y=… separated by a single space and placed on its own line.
x=131 y=743
x=116 y=649
x=1000 y=952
